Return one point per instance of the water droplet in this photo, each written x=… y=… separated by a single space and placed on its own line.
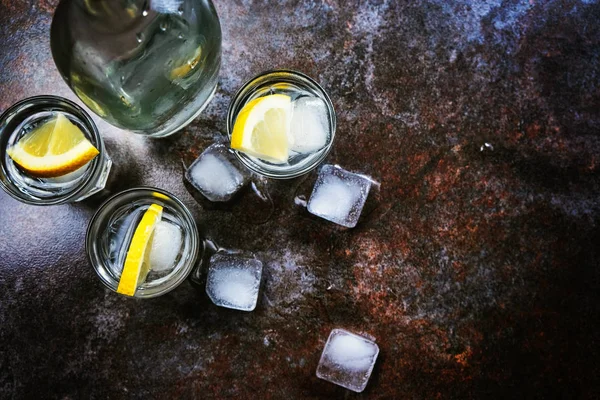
x=257 y=190
x=180 y=36
x=140 y=37
x=486 y=146
x=300 y=201
x=163 y=26
x=145 y=9
x=210 y=245
x=122 y=78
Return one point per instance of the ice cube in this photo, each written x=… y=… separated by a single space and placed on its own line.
x=70 y=177
x=310 y=128
x=215 y=175
x=234 y=280
x=167 y=242
x=347 y=360
x=339 y=195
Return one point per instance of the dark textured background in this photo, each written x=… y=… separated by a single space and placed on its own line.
x=476 y=270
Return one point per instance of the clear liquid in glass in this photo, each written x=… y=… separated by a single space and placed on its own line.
x=307 y=147
x=114 y=241
x=45 y=188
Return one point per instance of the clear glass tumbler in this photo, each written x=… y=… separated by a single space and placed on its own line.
x=25 y=116
x=147 y=66
x=111 y=230
x=297 y=86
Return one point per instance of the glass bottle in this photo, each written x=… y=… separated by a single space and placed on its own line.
x=147 y=66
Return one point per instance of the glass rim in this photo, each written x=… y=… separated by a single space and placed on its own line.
x=97 y=162
x=234 y=108
x=184 y=271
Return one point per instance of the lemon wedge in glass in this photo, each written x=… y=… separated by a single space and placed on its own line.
x=261 y=128
x=187 y=66
x=137 y=263
x=55 y=148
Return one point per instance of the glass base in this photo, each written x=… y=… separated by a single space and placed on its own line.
x=100 y=183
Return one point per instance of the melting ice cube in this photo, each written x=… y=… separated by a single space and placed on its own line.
x=309 y=130
x=347 y=360
x=215 y=175
x=233 y=281
x=167 y=242
x=70 y=177
x=339 y=195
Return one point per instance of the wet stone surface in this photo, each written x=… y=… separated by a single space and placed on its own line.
x=475 y=267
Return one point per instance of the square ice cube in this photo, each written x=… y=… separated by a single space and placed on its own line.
x=339 y=195
x=309 y=127
x=167 y=246
x=347 y=360
x=234 y=280
x=215 y=174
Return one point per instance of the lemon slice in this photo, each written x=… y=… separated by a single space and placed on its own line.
x=53 y=149
x=261 y=128
x=187 y=66
x=136 y=265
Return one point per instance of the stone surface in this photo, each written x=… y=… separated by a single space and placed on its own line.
x=475 y=266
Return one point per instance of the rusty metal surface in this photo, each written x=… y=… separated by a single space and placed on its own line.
x=475 y=266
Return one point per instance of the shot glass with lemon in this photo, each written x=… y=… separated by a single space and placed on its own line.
x=50 y=152
x=281 y=124
x=142 y=242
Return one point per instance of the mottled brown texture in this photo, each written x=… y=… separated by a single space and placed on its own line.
x=475 y=267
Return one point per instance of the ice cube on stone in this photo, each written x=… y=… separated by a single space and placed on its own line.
x=167 y=242
x=347 y=360
x=234 y=280
x=309 y=127
x=215 y=175
x=339 y=195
